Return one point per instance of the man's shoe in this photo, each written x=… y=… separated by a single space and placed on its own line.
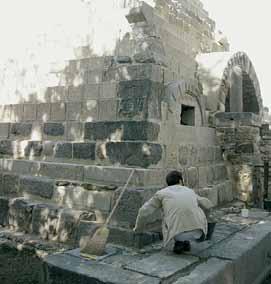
x=181 y=247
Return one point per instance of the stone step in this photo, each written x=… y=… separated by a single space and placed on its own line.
x=73 y=195
x=133 y=153
x=46 y=220
x=103 y=175
x=92 y=131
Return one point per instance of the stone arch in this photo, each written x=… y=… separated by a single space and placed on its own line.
x=175 y=92
x=222 y=74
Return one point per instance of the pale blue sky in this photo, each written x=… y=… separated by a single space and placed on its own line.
x=247 y=25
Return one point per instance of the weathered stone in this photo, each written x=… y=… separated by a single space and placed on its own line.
x=85 y=151
x=162 y=265
x=58 y=111
x=63 y=268
x=122 y=130
x=4 y=207
x=89 y=110
x=43 y=112
x=74 y=131
x=74 y=111
x=21 y=167
x=30 y=112
x=38 y=186
x=54 y=129
x=213 y=271
x=63 y=150
x=134 y=153
x=33 y=149
x=193 y=178
x=10 y=184
x=21 y=129
x=4 y=130
x=108 y=110
x=20 y=214
x=62 y=171
x=91 y=92
x=45 y=219
x=6 y=147
x=16 y=113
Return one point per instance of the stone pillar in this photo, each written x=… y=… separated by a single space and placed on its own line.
x=236 y=90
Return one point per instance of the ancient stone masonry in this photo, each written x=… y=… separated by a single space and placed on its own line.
x=149 y=100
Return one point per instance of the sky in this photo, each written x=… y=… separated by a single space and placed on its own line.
x=245 y=22
x=247 y=25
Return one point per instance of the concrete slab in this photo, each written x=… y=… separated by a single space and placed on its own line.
x=163 y=264
x=69 y=269
x=213 y=271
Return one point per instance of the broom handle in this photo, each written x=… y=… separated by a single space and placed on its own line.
x=119 y=198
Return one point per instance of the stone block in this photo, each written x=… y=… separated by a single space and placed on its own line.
x=54 y=129
x=43 y=112
x=108 y=90
x=33 y=149
x=62 y=171
x=74 y=111
x=163 y=265
x=247 y=250
x=5 y=113
x=127 y=211
x=45 y=219
x=108 y=109
x=68 y=225
x=119 y=175
x=48 y=148
x=21 y=129
x=21 y=167
x=75 y=93
x=11 y=185
x=85 y=151
x=225 y=192
x=6 y=147
x=77 y=197
x=16 y=113
x=37 y=186
x=122 y=130
x=138 y=154
x=211 y=193
x=188 y=155
x=229 y=119
x=85 y=230
x=203 y=176
x=210 y=175
x=129 y=238
x=91 y=92
x=63 y=268
x=4 y=130
x=30 y=112
x=4 y=207
x=74 y=131
x=58 y=112
x=20 y=214
x=213 y=271
x=193 y=177
x=94 y=76
x=56 y=94
x=90 y=111
x=63 y=150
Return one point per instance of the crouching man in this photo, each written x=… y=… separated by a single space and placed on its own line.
x=183 y=217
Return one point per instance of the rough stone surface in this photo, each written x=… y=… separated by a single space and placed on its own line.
x=134 y=154
x=124 y=130
x=63 y=150
x=63 y=268
x=85 y=151
x=54 y=129
x=4 y=207
x=10 y=185
x=162 y=265
x=21 y=129
x=37 y=186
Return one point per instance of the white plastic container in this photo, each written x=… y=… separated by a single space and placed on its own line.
x=244 y=213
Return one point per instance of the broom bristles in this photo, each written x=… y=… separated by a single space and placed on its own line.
x=96 y=245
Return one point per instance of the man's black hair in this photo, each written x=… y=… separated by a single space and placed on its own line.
x=174 y=178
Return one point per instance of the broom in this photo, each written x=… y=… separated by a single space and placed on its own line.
x=96 y=245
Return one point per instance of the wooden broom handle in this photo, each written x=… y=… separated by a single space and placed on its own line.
x=119 y=198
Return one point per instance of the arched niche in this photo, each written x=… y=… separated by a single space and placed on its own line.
x=230 y=83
